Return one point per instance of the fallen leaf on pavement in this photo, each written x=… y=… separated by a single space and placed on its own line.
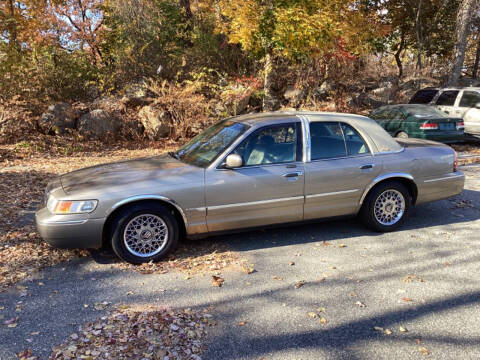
x=360 y=304
x=342 y=245
x=323 y=321
x=412 y=277
x=407 y=299
x=248 y=268
x=423 y=350
x=277 y=278
x=312 y=315
x=299 y=284
x=388 y=332
x=242 y=323
x=291 y=263
x=217 y=281
x=377 y=328
x=402 y=329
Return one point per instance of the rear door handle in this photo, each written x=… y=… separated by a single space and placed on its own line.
x=293 y=174
x=366 y=167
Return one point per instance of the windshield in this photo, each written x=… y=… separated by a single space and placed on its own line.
x=425 y=111
x=205 y=147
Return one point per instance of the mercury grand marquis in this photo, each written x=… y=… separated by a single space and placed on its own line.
x=248 y=171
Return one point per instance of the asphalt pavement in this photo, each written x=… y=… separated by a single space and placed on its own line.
x=421 y=285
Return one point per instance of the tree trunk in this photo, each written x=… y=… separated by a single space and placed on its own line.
x=464 y=17
x=397 y=54
x=269 y=100
x=12 y=26
x=418 y=30
x=477 y=60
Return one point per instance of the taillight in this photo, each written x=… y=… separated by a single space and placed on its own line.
x=455 y=161
x=460 y=125
x=429 y=126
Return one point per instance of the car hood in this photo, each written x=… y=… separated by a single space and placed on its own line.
x=124 y=172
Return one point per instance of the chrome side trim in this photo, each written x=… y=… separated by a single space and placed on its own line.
x=444 y=178
x=332 y=193
x=251 y=203
x=148 y=197
x=381 y=178
x=65 y=222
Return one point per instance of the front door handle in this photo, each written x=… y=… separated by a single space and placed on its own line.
x=293 y=174
x=366 y=167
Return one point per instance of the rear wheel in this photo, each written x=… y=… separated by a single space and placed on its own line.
x=144 y=232
x=386 y=207
x=402 y=135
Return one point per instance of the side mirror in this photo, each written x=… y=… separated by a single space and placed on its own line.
x=477 y=105
x=233 y=161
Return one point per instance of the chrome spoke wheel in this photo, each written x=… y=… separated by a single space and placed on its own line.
x=145 y=235
x=389 y=207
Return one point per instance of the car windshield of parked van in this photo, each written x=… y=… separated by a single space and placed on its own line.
x=425 y=111
x=205 y=147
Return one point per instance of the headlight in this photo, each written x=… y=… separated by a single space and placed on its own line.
x=70 y=207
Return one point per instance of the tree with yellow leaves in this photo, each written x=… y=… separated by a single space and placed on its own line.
x=295 y=29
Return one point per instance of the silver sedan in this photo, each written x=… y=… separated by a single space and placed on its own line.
x=245 y=172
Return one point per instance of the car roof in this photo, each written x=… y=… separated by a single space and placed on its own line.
x=272 y=117
x=476 y=88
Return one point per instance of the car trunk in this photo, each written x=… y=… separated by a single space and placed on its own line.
x=443 y=124
x=413 y=143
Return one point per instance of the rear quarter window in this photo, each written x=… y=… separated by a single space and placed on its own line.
x=447 y=98
x=423 y=96
x=470 y=99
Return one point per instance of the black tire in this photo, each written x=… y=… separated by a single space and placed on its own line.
x=402 y=135
x=367 y=213
x=151 y=212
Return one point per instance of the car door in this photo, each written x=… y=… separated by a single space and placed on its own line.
x=469 y=112
x=341 y=167
x=267 y=189
x=446 y=101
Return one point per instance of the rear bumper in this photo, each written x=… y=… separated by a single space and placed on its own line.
x=445 y=136
x=440 y=187
x=63 y=231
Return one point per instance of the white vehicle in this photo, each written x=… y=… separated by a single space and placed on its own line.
x=457 y=102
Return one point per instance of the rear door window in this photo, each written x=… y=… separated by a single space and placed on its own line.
x=327 y=140
x=447 y=98
x=423 y=96
x=355 y=143
x=470 y=99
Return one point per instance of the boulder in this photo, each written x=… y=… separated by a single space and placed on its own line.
x=368 y=101
x=98 y=123
x=156 y=121
x=294 y=95
x=58 y=117
x=235 y=98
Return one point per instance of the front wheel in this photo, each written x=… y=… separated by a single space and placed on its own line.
x=402 y=135
x=144 y=232
x=386 y=207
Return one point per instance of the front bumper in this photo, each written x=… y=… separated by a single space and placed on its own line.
x=69 y=231
x=441 y=187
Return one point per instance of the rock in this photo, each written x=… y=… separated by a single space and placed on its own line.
x=98 y=123
x=137 y=94
x=109 y=104
x=156 y=121
x=366 y=100
x=235 y=98
x=322 y=92
x=294 y=95
x=58 y=117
